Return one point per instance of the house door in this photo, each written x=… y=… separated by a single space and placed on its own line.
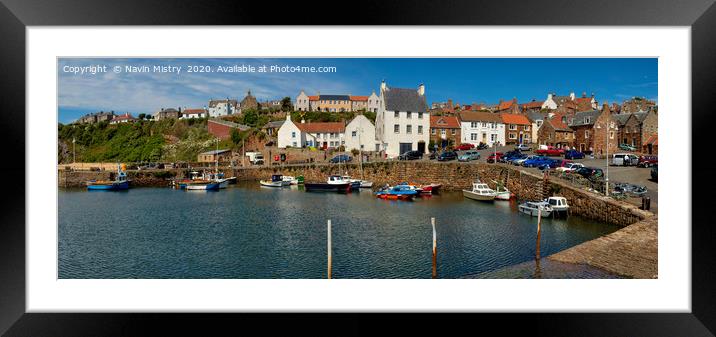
x=405 y=147
x=484 y=138
x=421 y=147
x=649 y=148
x=520 y=139
x=581 y=147
x=325 y=145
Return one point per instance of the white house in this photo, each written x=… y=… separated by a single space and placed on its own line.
x=290 y=135
x=360 y=135
x=223 y=107
x=373 y=102
x=553 y=101
x=402 y=121
x=302 y=102
x=481 y=127
x=194 y=113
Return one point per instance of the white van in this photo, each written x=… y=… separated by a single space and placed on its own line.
x=624 y=159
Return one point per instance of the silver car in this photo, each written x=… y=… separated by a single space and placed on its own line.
x=469 y=155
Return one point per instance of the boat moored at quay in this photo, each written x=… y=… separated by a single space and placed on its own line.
x=332 y=184
x=120 y=183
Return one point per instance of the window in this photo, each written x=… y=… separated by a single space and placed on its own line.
x=396 y=128
x=513 y=127
x=587 y=120
x=397 y=114
x=442 y=132
x=586 y=133
x=513 y=136
x=409 y=129
x=294 y=144
x=611 y=135
x=526 y=128
x=484 y=124
x=354 y=134
x=293 y=134
x=420 y=129
x=473 y=125
x=454 y=132
x=408 y=114
x=493 y=137
x=420 y=115
x=473 y=136
x=432 y=131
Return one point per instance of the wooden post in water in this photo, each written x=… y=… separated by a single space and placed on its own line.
x=330 y=262
x=539 y=229
x=435 y=250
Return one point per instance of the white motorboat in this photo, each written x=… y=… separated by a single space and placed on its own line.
x=276 y=181
x=533 y=208
x=502 y=192
x=290 y=180
x=480 y=191
x=366 y=184
x=558 y=205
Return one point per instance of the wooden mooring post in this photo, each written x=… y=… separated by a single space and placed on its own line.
x=330 y=261
x=435 y=250
x=539 y=230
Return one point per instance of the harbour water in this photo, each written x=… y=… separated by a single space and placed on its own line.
x=252 y=232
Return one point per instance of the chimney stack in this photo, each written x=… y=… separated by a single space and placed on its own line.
x=383 y=86
x=421 y=89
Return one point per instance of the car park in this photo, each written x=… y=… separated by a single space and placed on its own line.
x=647 y=161
x=447 y=156
x=624 y=159
x=469 y=155
x=573 y=154
x=411 y=155
x=341 y=158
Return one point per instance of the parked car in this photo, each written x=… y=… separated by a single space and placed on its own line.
x=469 y=155
x=494 y=157
x=573 y=154
x=590 y=172
x=447 y=156
x=521 y=161
x=411 y=155
x=536 y=161
x=654 y=172
x=464 y=146
x=342 y=158
x=627 y=147
x=523 y=147
x=630 y=189
x=647 y=161
x=624 y=159
x=550 y=151
x=513 y=158
x=482 y=146
x=507 y=156
x=570 y=167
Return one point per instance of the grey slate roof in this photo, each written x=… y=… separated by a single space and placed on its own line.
x=274 y=124
x=334 y=98
x=400 y=99
x=535 y=116
x=579 y=118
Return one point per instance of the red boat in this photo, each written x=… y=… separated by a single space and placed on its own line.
x=431 y=189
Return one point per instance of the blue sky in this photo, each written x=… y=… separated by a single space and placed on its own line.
x=464 y=80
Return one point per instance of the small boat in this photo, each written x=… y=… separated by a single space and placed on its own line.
x=532 y=208
x=397 y=192
x=355 y=183
x=558 y=204
x=412 y=187
x=502 y=192
x=291 y=180
x=217 y=177
x=431 y=189
x=480 y=191
x=276 y=181
x=366 y=184
x=203 y=185
x=120 y=183
x=332 y=184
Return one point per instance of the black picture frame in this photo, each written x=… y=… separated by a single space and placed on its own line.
x=16 y=15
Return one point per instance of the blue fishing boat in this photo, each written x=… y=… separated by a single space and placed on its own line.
x=120 y=183
x=397 y=192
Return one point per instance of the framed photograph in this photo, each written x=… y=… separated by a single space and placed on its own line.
x=469 y=169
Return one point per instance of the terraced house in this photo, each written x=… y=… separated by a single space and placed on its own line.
x=481 y=127
x=403 y=121
x=337 y=103
x=444 y=131
x=556 y=132
x=595 y=131
x=518 y=129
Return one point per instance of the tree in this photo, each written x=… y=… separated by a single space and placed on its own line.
x=236 y=136
x=250 y=117
x=142 y=116
x=286 y=104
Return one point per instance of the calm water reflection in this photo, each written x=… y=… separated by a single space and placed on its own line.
x=247 y=231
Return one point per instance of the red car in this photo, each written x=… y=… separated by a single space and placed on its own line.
x=550 y=151
x=465 y=147
x=647 y=161
x=494 y=157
